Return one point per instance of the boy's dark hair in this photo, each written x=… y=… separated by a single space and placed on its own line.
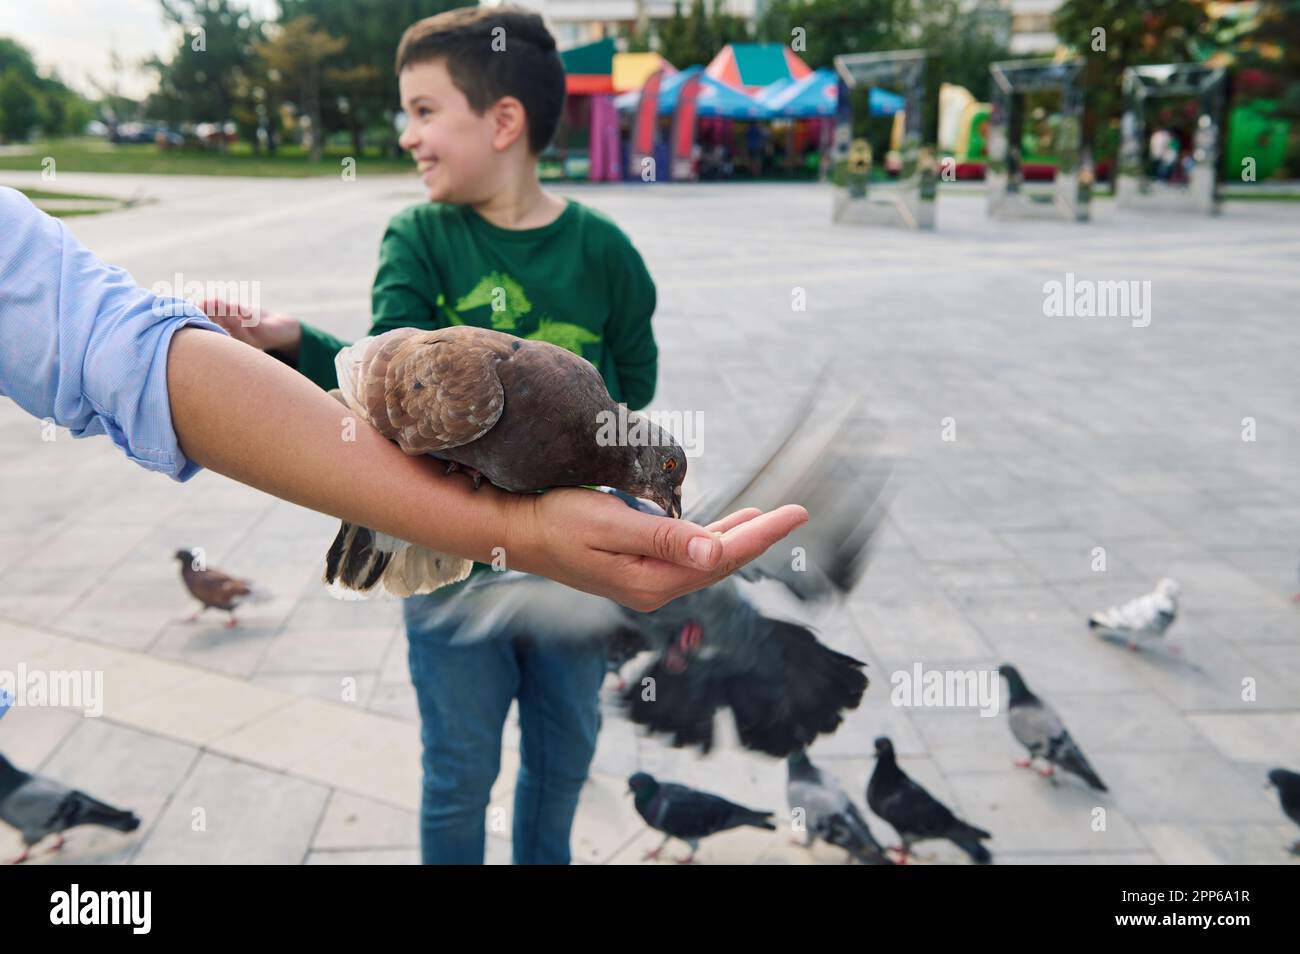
x=470 y=40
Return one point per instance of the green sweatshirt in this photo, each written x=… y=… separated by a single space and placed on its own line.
x=578 y=283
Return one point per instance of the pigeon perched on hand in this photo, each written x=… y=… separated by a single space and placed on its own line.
x=1287 y=784
x=916 y=814
x=714 y=649
x=1039 y=729
x=214 y=589
x=828 y=812
x=689 y=815
x=527 y=415
x=1142 y=619
x=38 y=807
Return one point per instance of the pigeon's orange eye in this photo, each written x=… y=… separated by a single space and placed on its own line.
x=670 y=464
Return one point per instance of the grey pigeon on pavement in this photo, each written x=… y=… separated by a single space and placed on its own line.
x=1039 y=729
x=714 y=649
x=38 y=807
x=1142 y=619
x=689 y=815
x=214 y=589
x=828 y=813
x=527 y=415
x=1287 y=784
x=916 y=814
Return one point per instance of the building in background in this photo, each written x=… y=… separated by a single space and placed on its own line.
x=574 y=22
x=1032 y=33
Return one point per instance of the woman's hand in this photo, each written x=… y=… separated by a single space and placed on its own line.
x=596 y=543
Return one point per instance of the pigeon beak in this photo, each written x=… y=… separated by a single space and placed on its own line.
x=672 y=506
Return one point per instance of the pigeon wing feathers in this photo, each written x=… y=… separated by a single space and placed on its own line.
x=426 y=390
x=1034 y=725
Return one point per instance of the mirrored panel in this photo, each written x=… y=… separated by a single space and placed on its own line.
x=1170 y=138
x=873 y=88
x=1029 y=140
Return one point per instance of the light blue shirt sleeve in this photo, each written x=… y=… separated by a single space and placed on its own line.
x=82 y=344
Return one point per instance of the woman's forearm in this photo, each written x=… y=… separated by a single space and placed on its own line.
x=245 y=415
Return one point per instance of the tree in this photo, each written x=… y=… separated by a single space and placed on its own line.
x=297 y=52
x=58 y=109
x=695 y=38
x=359 y=90
x=1133 y=33
x=206 y=77
x=831 y=27
x=963 y=42
x=18 y=107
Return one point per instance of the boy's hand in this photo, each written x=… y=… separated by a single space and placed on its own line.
x=264 y=330
x=594 y=542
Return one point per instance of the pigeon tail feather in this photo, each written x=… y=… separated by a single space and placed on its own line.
x=362 y=562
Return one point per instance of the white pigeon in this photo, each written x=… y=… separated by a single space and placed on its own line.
x=1142 y=619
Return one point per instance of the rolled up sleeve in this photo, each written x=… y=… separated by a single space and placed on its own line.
x=82 y=344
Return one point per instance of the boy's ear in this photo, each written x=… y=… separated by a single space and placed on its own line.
x=509 y=122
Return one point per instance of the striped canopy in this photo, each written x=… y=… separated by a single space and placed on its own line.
x=715 y=99
x=752 y=66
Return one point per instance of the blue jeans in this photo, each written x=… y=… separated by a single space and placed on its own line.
x=464 y=693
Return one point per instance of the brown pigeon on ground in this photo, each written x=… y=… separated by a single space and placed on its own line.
x=212 y=588
x=526 y=415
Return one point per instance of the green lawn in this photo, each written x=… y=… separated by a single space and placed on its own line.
x=64 y=204
x=90 y=155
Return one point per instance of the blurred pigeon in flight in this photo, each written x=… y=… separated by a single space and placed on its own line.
x=1039 y=729
x=38 y=807
x=916 y=814
x=214 y=589
x=829 y=814
x=1142 y=619
x=689 y=815
x=527 y=415
x=714 y=649
x=1287 y=784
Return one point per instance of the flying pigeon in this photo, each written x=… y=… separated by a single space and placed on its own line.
x=214 y=589
x=1142 y=619
x=916 y=814
x=688 y=815
x=1287 y=784
x=1038 y=728
x=828 y=812
x=527 y=415
x=714 y=649
x=38 y=807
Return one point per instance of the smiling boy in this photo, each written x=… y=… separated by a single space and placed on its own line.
x=483 y=89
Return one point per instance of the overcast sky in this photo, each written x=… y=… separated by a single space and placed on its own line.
x=76 y=36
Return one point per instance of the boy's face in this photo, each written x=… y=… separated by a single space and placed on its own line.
x=451 y=144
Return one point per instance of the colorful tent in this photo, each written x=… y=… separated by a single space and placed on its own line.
x=631 y=70
x=752 y=66
x=815 y=95
x=589 y=68
x=769 y=92
x=716 y=98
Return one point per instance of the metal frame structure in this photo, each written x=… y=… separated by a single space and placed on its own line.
x=909 y=202
x=1134 y=188
x=1071 y=191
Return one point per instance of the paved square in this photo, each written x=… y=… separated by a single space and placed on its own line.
x=297 y=733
